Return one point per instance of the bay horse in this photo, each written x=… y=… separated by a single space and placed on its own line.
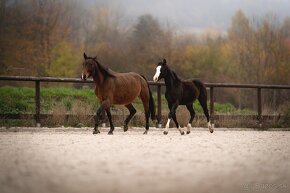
x=117 y=88
x=181 y=92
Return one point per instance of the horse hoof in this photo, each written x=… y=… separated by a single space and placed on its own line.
x=96 y=132
x=125 y=128
x=145 y=132
x=187 y=132
x=211 y=130
x=110 y=133
x=165 y=132
x=182 y=133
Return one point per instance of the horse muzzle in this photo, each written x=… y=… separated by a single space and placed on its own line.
x=155 y=78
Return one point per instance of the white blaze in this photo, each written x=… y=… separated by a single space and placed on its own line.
x=157 y=74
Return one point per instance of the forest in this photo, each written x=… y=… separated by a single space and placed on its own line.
x=48 y=38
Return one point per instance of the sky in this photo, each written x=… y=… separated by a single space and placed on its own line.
x=198 y=15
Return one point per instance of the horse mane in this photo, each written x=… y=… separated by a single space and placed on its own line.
x=105 y=70
x=175 y=76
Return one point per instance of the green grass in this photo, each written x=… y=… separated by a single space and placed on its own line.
x=22 y=100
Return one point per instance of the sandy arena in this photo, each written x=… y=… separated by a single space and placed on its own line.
x=74 y=160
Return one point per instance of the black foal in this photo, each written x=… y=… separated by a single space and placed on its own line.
x=181 y=92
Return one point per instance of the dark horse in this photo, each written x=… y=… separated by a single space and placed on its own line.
x=118 y=88
x=181 y=92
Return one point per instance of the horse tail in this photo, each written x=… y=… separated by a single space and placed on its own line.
x=201 y=88
x=151 y=102
x=151 y=105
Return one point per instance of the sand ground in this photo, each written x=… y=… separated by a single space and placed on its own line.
x=74 y=160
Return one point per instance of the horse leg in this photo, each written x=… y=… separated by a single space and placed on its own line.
x=172 y=114
x=202 y=101
x=165 y=132
x=103 y=117
x=176 y=123
x=192 y=115
x=110 y=120
x=105 y=104
x=132 y=111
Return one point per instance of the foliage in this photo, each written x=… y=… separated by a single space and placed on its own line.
x=47 y=38
x=286 y=120
x=64 y=61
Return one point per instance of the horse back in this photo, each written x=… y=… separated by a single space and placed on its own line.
x=126 y=87
x=129 y=79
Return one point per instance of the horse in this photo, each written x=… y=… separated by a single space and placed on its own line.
x=181 y=92
x=117 y=88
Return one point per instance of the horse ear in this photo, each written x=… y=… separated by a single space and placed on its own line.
x=85 y=56
x=95 y=58
x=164 y=61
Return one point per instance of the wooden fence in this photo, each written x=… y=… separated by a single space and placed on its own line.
x=212 y=87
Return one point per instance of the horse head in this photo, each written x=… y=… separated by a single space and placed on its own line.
x=161 y=70
x=89 y=66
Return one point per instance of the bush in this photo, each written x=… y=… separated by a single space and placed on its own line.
x=286 y=121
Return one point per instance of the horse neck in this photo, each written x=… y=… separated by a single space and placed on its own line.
x=171 y=80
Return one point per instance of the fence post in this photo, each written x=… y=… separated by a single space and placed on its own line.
x=37 y=103
x=259 y=98
x=211 y=101
x=159 y=106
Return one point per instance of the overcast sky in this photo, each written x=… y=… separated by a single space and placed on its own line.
x=196 y=15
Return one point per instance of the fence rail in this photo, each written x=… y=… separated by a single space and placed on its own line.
x=159 y=85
